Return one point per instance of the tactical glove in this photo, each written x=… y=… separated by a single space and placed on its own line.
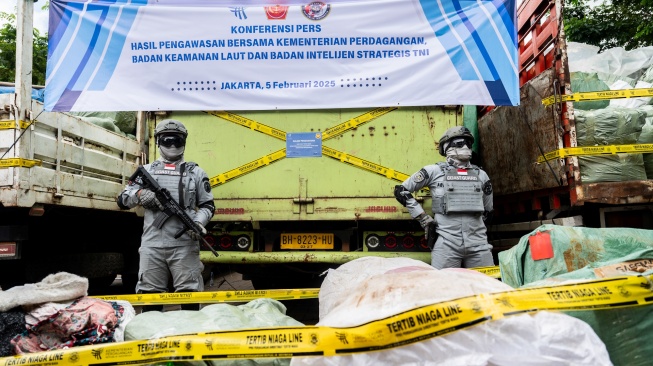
x=425 y=220
x=147 y=199
x=195 y=236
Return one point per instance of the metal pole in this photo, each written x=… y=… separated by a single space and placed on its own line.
x=24 y=53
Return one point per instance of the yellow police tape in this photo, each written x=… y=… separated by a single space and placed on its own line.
x=364 y=164
x=401 y=329
x=18 y=162
x=11 y=124
x=239 y=296
x=281 y=135
x=338 y=130
x=247 y=168
x=595 y=150
x=251 y=124
x=601 y=95
x=492 y=271
x=213 y=297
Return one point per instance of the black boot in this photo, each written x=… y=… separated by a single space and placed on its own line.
x=195 y=307
x=152 y=308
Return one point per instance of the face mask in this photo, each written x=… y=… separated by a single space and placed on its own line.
x=460 y=156
x=171 y=153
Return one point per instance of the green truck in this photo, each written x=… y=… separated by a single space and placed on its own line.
x=281 y=221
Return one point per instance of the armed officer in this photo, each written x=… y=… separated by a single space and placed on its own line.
x=161 y=255
x=461 y=202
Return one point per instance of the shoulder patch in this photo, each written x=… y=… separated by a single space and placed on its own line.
x=487 y=188
x=420 y=176
x=207 y=185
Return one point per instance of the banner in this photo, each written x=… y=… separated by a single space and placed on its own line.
x=116 y=55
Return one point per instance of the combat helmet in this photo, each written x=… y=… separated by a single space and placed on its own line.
x=170 y=126
x=454 y=132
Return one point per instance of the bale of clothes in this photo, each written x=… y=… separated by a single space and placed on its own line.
x=57 y=313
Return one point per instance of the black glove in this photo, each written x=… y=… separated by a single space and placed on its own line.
x=147 y=199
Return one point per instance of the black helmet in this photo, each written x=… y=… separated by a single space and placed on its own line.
x=454 y=132
x=170 y=126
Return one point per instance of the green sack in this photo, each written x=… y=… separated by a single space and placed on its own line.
x=573 y=248
x=579 y=254
x=612 y=168
x=588 y=82
x=609 y=126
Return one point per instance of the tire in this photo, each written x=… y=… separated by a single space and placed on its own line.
x=99 y=268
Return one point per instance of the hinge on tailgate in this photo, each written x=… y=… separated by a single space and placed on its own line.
x=308 y=202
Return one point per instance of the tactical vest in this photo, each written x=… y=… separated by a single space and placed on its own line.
x=463 y=192
x=174 y=178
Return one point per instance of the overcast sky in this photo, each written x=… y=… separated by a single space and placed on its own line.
x=40 y=16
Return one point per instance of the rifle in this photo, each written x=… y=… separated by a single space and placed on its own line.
x=171 y=207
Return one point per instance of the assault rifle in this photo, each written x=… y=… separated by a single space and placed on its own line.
x=170 y=206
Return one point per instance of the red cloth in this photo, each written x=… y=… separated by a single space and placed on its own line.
x=85 y=321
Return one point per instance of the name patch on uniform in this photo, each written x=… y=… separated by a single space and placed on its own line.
x=461 y=177
x=167 y=172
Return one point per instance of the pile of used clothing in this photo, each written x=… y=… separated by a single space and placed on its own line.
x=56 y=313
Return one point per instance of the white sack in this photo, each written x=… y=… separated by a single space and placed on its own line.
x=539 y=339
x=630 y=102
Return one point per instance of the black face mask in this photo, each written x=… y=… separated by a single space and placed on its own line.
x=172 y=140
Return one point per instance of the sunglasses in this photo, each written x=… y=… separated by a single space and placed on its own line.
x=172 y=140
x=461 y=143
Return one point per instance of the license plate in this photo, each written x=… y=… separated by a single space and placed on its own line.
x=307 y=241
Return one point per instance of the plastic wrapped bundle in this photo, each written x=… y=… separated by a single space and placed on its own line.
x=581 y=254
x=609 y=126
x=646 y=137
x=612 y=168
x=370 y=290
x=588 y=82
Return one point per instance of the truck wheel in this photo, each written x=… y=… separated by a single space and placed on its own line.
x=100 y=268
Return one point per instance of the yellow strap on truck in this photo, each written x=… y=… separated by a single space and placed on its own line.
x=251 y=124
x=327 y=134
x=408 y=327
x=18 y=162
x=601 y=95
x=247 y=168
x=10 y=124
x=595 y=150
x=338 y=130
x=364 y=164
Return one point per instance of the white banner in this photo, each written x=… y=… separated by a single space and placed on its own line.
x=253 y=55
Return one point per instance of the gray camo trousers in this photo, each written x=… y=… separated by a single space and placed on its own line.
x=446 y=254
x=181 y=263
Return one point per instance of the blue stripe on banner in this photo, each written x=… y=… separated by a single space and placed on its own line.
x=114 y=51
x=507 y=10
x=442 y=30
x=97 y=22
x=86 y=28
x=60 y=16
x=96 y=49
x=488 y=49
x=475 y=46
x=57 y=58
x=497 y=90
